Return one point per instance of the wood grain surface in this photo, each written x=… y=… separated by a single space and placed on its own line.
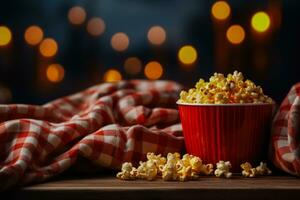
x=275 y=187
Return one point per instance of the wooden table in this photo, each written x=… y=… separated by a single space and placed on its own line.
x=108 y=187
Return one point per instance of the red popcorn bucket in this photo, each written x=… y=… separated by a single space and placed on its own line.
x=233 y=132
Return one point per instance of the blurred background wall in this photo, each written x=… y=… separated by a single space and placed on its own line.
x=53 y=48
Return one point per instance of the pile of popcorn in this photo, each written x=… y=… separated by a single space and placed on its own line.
x=224 y=90
x=172 y=168
x=189 y=167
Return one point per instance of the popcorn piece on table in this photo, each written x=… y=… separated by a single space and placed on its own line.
x=223 y=169
x=169 y=170
x=147 y=170
x=262 y=169
x=207 y=169
x=224 y=90
x=128 y=172
x=183 y=172
x=158 y=160
x=248 y=171
x=196 y=165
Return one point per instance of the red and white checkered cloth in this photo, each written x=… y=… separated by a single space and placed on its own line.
x=108 y=124
x=286 y=133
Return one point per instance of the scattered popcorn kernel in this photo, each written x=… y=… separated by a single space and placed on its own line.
x=207 y=169
x=169 y=172
x=147 y=170
x=248 y=171
x=223 y=169
x=127 y=172
x=184 y=173
x=224 y=90
x=262 y=169
x=157 y=159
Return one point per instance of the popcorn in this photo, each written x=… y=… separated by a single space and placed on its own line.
x=207 y=169
x=223 y=169
x=189 y=167
x=184 y=173
x=224 y=90
x=248 y=171
x=260 y=170
x=147 y=170
x=169 y=171
x=172 y=168
x=127 y=172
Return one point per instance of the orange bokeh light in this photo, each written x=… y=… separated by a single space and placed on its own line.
x=55 y=73
x=120 y=41
x=48 y=47
x=187 y=54
x=133 y=65
x=33 y=35
x=153 y=70
x=112 y=75
x=77 y=15
x=156 y=35
x=5 y=36
x=220 y=10
x=95 y=26
x=235 y=34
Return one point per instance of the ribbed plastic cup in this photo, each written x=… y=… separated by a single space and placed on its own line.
x=234 y=132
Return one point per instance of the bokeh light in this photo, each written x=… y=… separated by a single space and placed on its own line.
x=95 y=26
x=260 y=21
x=153 y=70
x=235 y=34
x=220 y=10
x=48 y=47
x=112 y=75
x=133 y=65
x=156 y=35
x=55 y=73
x=33 y=35
x=120 y=41
x=5 y=94
x=76 y=15
x=5 y=36
x=187 y=54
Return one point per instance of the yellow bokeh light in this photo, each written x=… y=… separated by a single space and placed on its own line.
x=48 y=47
x=220 y=10
x=55 y=73
x=77 y=15
x=133 y=65
x=112 y=75
x=5 y=36
x=187 y=54
x=119 y=41
x=260 y=21
x=235 y=34
x=153 y=70
x=95 y=26
x=156 y=35
x=33 y=35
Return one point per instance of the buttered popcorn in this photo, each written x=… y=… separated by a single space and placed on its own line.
x=250 y=172
x=127 y=172
x=224 y=90
x=172 y=168
x=223 y=169
x=189 y=167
